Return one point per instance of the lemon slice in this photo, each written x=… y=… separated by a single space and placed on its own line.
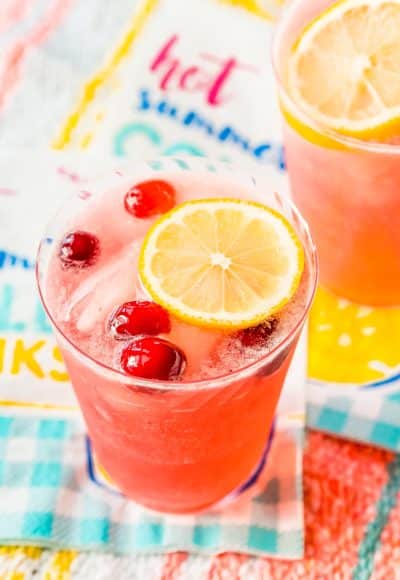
x=344 y=71
x=221 y=263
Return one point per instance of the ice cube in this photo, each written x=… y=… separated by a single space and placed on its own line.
x=101 y=292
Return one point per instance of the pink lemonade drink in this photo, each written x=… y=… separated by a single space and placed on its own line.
x=178 y=402
x=338 y=71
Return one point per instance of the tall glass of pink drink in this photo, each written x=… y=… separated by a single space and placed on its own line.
x=347 y=189
x=182 y=445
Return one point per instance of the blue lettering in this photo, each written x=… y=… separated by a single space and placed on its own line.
x=12 y=260
x=229 y=134
x=164 y=108
x=281 y=158
x=144 y=102
x=264 y=152
x=261 y=149
x=192 y=118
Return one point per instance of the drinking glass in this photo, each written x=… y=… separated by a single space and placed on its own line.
x=181 y=447
x=348 y=190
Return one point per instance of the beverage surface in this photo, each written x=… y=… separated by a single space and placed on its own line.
x=97 y=297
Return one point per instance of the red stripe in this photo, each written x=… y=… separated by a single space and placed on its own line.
x=172 y=564
x=15 y=57
x=226 y=566
x=16 y=10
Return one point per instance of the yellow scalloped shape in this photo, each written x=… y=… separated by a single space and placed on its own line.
x=349 y=343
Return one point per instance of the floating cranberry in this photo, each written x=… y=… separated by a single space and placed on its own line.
x=79 y=249
x=150 y=198
x=258 y=335
x=139 y=317
x=153 y=358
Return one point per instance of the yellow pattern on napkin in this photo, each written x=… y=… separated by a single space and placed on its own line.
x=352 y=343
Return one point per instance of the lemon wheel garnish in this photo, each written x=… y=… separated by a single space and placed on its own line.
x=221 y=263
x=344 y=71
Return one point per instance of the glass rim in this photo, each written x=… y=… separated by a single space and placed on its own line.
x=347 y=141
x=199 y=384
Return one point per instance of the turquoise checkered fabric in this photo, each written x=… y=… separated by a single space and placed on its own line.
x=47 y=497
x=368 y=415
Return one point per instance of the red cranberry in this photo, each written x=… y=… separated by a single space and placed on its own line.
x=153 y=358
x=150 y=198
x=139 y=317
x=79 y=249
x=257 y=335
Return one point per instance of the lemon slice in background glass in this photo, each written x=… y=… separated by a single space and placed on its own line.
x=344 y=70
